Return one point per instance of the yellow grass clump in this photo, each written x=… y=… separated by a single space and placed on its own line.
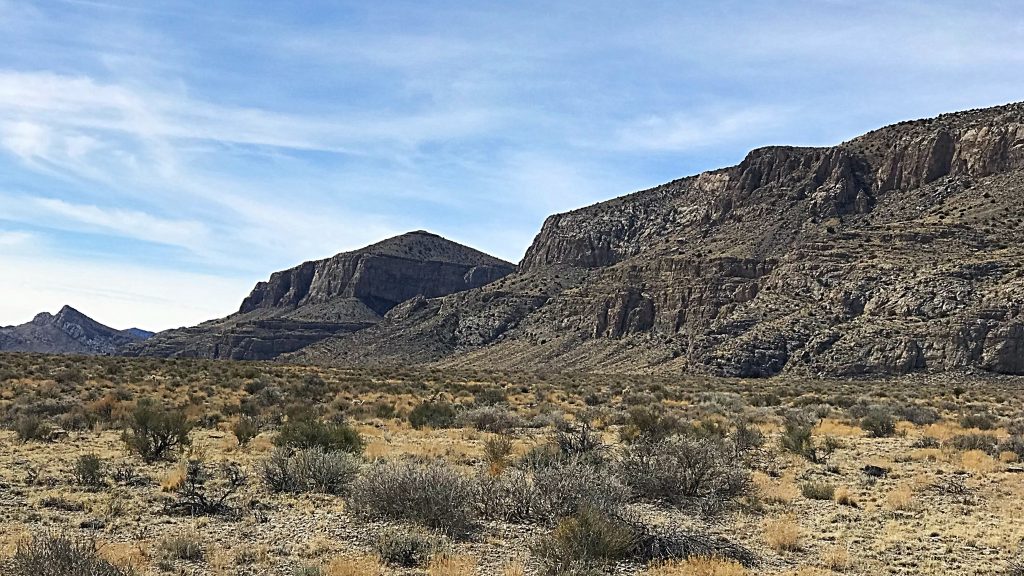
x=978 y=461
x=836 y=558
x=782 y=534
x=901 y=499
x=354 y=566
x=782 y=491
x=697 y=567
x=833 y=427
x=846 y=497
x=452 y=565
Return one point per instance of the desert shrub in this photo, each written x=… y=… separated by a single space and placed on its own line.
x=917 y=414
x=1013 y=444
x=56 y=555
x=154 y=431
x=433 y=414
x=925 y=442
x=587 y=539
x=310 y=470
x=496 y=419
x=878 y=423
x=432 y=494
x=408 y=547
x=746 y=438
x=966 y=442
x=489 y=396
x=181 y=547
x=498 y=452
x=979 y=420
x=681 y=470
x=202 y=492
x=32 y=427
x=510 y=496
x=652 y=423
x=797 y=437
x=245 y=429
x=88 y=471
x=818 y=490
x=304 y=431
x=580 y=442
x=540 y=456
x=563 y=489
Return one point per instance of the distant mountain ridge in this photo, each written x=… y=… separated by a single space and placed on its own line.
x=67 y=332
x=342 y=294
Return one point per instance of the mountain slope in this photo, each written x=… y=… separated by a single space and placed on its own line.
x=901 y=250
x=342 y=294
x=67 y=332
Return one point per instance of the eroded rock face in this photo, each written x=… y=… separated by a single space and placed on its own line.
x=343 y=294
x=899 y=251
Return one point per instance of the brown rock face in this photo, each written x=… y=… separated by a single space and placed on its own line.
x=339 y=295
x=898 y=251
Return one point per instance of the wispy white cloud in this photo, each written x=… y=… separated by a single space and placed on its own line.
x=128 y=223
x=685 y=131
x=9 y=239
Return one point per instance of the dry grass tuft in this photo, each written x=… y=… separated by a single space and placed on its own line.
x=771 y=491
x=782 y=534
x=901 y=499
x=354 y=566
x=836 y=558
x=697 y=567
x=846 y=497
x=514 y=569
x=452 y=565
x=978 y=461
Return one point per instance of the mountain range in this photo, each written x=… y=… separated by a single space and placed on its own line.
x=67 y=332
x=898 y=251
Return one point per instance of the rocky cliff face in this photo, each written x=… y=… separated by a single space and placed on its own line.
x=67 y=332
x=339 y=295
x=899 y=251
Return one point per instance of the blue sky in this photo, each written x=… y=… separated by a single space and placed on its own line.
x=158 y=158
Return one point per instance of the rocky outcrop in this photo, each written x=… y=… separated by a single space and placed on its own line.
x=898 y=251
x=340 y=295
x=67 y=332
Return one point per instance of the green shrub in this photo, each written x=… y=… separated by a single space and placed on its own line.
x=245 y=429
x=88 y=471
x=681 y=470
x=408 y=547
x=32 y=427
x=433 y=414
x=966 y=442
x=652 y=423
x=878 y=423
x=432 y=494
x=310 y=470
x=797 y=437
x=305 y=431
x=587 y=539
x=980 y=421
x=154 y=432
x=181 y=547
